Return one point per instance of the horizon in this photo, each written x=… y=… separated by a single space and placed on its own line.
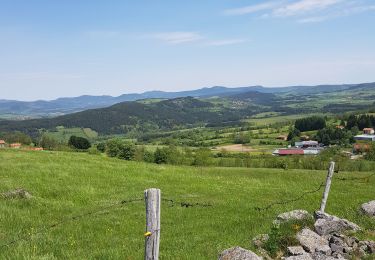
x=74 y=48
x=183 y=90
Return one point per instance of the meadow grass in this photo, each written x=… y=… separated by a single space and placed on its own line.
x=65 y=184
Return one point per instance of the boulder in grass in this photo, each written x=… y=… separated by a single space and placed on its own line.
x=238 y=253
x=327 y=224
x=299 y=257
x=312 y=242
x=16 y=194
x=298 y=214
x=369 y=208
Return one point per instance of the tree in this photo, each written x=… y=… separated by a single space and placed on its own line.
x=113 y=147
x=17 y=137
x=101 y=147
x=48 y=143
x=78 y=142
x=202 y=157
x=293 y=133
x=310 y=123
x=126 y=151
x=160 y=156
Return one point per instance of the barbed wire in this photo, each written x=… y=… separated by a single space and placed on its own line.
x=283 y=202
x=44 y=229
x=185 y=204
x=354 y=178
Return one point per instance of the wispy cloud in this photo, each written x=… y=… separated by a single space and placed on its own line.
x=304 y=6
x=177 y=37
x=225 y=42
x=305 y=11
x=338 y=13
x=252 y=8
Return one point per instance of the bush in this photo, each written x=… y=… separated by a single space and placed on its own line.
x=78 y=142
x=48 y=143
x=126 y=151
x=101 y=147
x=160 y=156
x=113 y=147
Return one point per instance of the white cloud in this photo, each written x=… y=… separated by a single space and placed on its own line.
x=177 y=37
x=252 y=8
x=225 y=42
x=304 y=6
x=305 y=11
x=338 y=13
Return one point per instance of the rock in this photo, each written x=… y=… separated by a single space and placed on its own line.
x=296 y=250
x=260 y=240
x=238 y=253
x=312 y=242
x=369 y=208
x=371 y=247
x=298 y=214
x=16 y=194
x=321 y=256
x=327 y=224
x=299 y=257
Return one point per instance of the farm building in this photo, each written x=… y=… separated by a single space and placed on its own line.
x=15 y=145
x=2 y=144
x=297 y=151
x=340 y=127
x=368 y=131
x=282 y=137
x=306 y=144
x=365 y=138
x=361 y=148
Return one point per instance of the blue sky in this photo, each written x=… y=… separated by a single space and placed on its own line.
x=51 y=49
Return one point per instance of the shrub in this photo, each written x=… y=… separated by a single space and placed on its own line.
x=126 y=151
x=160 y=156
x=101 y=147
x=78 y=142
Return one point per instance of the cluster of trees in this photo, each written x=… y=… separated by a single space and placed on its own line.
x=162 y=155
x=16 y=137
x=310 y=123
x=360 y=121
x=335 y=136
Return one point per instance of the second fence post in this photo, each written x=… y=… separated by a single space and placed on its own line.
x=152 y=235
x=328 y=186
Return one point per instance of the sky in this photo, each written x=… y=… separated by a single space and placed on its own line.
x=51 y=49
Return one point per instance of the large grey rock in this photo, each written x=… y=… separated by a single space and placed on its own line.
x=299 y=257
x=369 y=208
x=298 y=214
x=312 y=242
x=296 y=250
x=327 y=224
x=16 y=194
x=321 y=256
x=238 y=253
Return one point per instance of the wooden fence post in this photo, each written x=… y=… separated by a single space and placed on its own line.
x=328 y=186
x=152 y=235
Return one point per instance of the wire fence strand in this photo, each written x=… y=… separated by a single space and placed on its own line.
x=284 y=202
x=44 y=229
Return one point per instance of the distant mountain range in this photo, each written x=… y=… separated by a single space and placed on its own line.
x=62 y=106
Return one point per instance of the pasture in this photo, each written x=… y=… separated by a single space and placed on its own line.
x=67 y=184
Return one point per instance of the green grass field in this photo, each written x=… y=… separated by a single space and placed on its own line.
x=67 y=184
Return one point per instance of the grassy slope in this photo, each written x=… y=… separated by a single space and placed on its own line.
x=66 y=184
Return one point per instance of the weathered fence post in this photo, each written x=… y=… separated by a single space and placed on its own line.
x=328 y=186
x=152 y=235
